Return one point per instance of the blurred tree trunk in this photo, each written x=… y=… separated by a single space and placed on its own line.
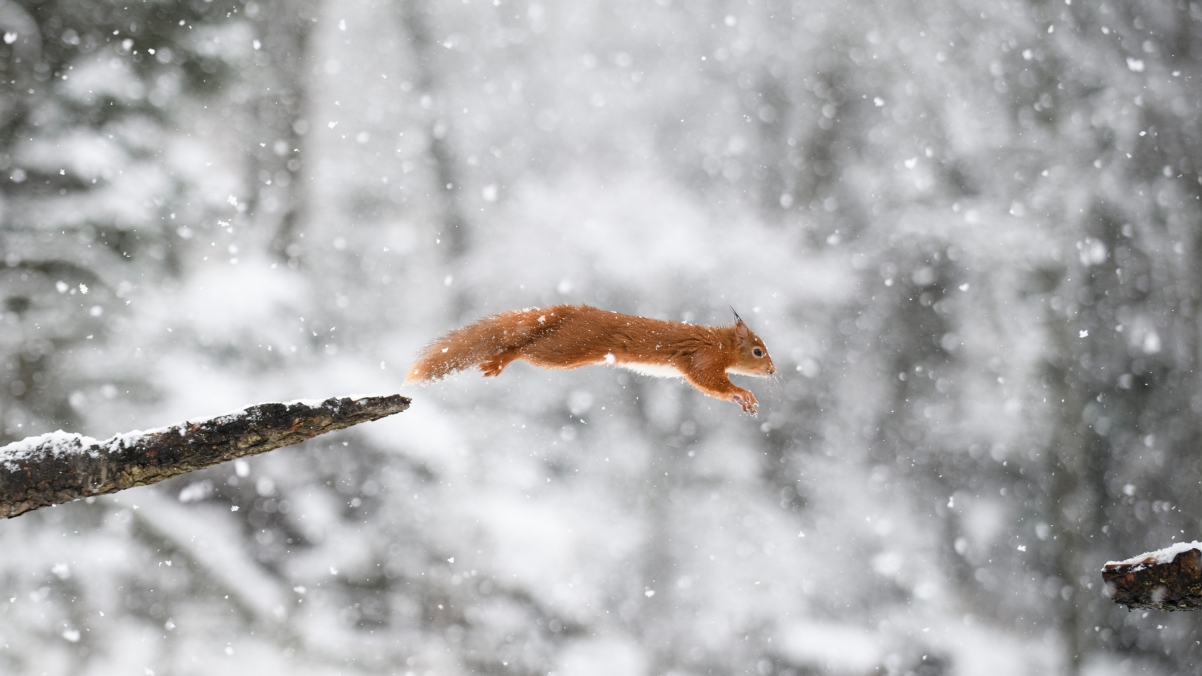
x=275 y=163
x=1066 y=460
x=415 y=17
x=658 y=412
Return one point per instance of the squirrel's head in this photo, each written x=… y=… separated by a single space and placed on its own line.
x=753 y=359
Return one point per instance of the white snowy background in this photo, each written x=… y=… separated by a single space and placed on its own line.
x=967 y=230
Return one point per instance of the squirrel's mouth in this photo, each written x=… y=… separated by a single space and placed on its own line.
x=756 y=370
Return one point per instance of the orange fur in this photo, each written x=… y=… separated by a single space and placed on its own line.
x=570 y=336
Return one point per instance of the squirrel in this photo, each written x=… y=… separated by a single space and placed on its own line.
x=570 y=336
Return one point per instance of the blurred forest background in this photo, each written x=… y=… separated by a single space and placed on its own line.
x=968 y=230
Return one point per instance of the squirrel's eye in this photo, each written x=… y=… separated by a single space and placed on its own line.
x=758 y=352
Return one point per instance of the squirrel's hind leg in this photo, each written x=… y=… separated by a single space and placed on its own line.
x=493 y=367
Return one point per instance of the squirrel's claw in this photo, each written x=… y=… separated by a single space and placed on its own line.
x=746 y=400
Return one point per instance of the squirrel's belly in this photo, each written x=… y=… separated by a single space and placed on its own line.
x=655 y=370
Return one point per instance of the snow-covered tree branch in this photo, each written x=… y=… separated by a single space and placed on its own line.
x=60 y=467
x=1167 y=579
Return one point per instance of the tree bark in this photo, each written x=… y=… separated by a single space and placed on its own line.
x=60 y=467
x=1155 y=581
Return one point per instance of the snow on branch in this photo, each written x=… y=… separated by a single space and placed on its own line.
x=60 y=467
x=1167 y=579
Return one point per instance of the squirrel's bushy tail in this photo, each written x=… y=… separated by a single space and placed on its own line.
x=487 y=338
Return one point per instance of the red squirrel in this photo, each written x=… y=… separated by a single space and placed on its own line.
x=570 y=336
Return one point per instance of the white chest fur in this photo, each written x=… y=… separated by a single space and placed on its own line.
x=656 y=370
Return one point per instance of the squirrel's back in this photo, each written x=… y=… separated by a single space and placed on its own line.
x=587 y=335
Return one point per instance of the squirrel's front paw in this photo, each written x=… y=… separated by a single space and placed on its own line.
x=746 y=400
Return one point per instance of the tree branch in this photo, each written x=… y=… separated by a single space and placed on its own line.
x=1168 y=579
x=60 y=467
